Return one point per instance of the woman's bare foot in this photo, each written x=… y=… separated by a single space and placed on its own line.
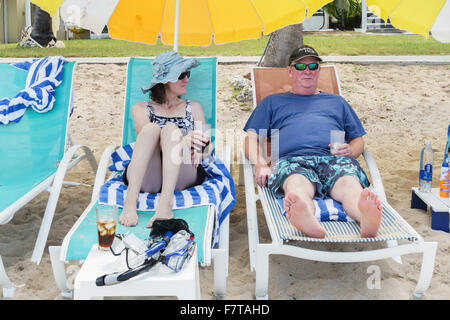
x=297 y=213
x=128 y=217
x=371 y=211
x=163 y=212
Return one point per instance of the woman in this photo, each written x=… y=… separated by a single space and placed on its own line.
x=168 y=150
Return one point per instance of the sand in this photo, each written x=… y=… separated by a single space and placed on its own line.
x=400 y=107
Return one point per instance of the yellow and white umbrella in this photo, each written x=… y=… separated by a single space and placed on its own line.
x=185 y=22
x=417 y=16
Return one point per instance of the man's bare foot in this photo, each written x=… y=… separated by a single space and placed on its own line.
x=297 y=213
x=371 y=211
x=128 y=217
x=163 y=212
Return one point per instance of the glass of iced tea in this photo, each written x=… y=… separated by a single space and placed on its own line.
x=106 y=225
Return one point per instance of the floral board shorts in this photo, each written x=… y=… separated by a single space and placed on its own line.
x=324 y=171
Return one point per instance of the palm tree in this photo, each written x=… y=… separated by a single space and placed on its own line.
x=343 y=11
x=281 y=44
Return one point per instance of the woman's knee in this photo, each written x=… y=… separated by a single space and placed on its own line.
x=150 y=130
x=172 y=132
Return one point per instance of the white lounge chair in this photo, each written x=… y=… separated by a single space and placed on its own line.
x=393 y=227
x=36 y=153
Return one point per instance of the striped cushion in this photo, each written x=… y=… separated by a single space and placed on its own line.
x=326 y=210
x=391 y=228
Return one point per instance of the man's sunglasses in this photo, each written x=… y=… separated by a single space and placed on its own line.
x=302 y=66
x=184 y=74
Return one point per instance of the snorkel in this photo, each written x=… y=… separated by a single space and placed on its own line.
x=159 y=245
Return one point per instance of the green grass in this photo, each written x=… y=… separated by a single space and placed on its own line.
x=332 y=43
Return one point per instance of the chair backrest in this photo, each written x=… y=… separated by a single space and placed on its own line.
x=276 y=80
x=201 y=87
x=35 y=145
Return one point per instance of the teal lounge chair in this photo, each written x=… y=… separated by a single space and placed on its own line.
x=34 y=157
x=83 y=235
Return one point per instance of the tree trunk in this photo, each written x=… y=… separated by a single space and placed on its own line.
x=42 y=27
x=281 y=44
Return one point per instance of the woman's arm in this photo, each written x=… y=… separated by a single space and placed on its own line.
x=140 y=116
x=197 y=137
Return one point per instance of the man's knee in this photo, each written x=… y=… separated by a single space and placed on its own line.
x=300 y=184
x=347 y=181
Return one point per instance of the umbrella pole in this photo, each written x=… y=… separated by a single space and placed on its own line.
x=177 y=19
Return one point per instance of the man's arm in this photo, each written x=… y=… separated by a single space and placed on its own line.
x=254 y=154
x=354 y=148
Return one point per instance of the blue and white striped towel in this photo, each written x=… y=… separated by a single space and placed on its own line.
x=327 y=209
x=217 y=190
x=44 y=75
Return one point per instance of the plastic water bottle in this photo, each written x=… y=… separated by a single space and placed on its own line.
x=426 y=167
x=444 y=183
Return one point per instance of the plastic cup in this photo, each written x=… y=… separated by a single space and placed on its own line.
x=337 y=138
x=205 y=128
x=106 y=225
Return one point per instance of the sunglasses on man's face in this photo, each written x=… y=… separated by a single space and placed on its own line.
x=184 y=74
x=302 y=66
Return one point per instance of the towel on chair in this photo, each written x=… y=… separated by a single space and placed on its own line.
x=44 y=75
x=327 y=209
x=217 y=190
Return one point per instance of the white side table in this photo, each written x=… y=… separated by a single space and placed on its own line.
x=158 y=281
x=439 y=207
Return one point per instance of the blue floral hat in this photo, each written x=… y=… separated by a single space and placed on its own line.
x=168 y=66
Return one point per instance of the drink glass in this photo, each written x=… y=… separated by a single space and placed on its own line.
x=205 y=128
x=337 y=138
x=106 y=225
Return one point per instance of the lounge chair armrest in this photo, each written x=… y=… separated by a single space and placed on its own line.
x=227 y=153
x=101 y=171
x=375 y=175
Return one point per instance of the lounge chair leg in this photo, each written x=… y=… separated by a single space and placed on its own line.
x=59 y=272
x=8 y=287
x=252 y=219
x=426 y=272
x=241 y=181
x=262 y=272
x=198 y=292
x=44 y=230
x=391 y=244
x=220 y=272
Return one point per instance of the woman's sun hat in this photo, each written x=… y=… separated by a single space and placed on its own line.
x=168 y=66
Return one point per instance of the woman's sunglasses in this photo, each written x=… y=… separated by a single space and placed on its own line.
x=302 y=66
x=184 y=74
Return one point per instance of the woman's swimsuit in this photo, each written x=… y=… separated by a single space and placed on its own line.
x=185 y=124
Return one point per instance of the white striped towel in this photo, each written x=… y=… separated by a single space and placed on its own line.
x=327 y=209
x=217 y=190
x=44 y=75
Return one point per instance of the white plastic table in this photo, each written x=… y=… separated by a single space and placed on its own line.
x=158 y=281
x=439 y=207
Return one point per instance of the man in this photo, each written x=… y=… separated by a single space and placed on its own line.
x=298 y=123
